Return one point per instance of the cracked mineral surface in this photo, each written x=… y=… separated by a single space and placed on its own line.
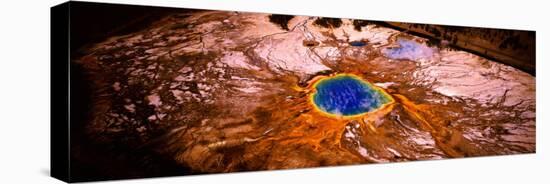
x=216 y=91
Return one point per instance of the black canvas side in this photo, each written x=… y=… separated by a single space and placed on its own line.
x=59 y=99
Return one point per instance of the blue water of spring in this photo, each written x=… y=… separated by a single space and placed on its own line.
x=347 y=95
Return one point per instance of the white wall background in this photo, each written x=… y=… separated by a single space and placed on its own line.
x=24 y=90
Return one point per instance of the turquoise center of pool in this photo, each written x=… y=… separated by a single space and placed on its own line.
x=347 y=95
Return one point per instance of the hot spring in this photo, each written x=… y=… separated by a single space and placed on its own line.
x=347 y=95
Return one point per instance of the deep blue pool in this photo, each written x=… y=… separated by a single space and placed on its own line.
x=347 y=95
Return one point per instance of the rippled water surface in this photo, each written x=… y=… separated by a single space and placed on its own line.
x=347 y=95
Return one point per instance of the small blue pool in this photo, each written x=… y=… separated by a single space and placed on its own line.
x=357 y=43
